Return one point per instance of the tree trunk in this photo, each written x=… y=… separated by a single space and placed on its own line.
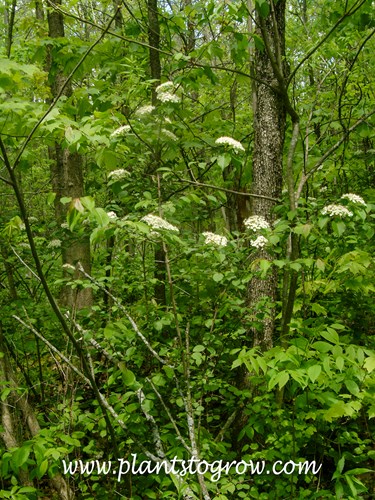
x=9 y=16
x=67 y=180
x=155 y=70
x=269 y=132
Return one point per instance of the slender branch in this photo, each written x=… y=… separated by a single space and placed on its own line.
x=306 y=177
x=225 y=190
x=24 y=263
x=325 y=37
x=226 y=426
x=289 y=165
x=5 y=180
x=53 y=348
x=172 y=420
x=343 y=87
x=132 y=322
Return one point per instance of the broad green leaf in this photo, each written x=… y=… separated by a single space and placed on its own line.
x=218 y=277
x=340 y=363
x=370 y=363
x=199 y=348
x=224 y=160
x=101 y=216
x=331 y=336
x=352 y=387
x=322 y=346
x=42 y=469
x=314 y=372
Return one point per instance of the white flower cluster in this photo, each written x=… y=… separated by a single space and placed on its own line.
x=354 y=198
x=157 y=222
x=165 y=92
x=260 y=242
x=164 y=87
x=54 y=244
x=338 y=210
x=145 y=110
x=169 y=134
x=256 y=222
x=118 y=174
x=112 y=215
x=228 y=141
x=121 y=130
x=168 y=97
x=215 y=239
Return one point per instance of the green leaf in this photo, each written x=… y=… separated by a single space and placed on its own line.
x=224 y=160
x=262 y=7
x=303 y=229
x=42 y=469
x=340 y=363
x=127 y=375
x=21 y=455
x=322 y=346
x=338 y=228
x=352 y=387
x=331 y=336
x=369 y=364
x=314 y=372
x=101 y=216
x=199 y=348
x=320 y=264
x=280 y=378
x=218 y=277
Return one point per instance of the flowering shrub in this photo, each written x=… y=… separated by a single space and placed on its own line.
x=145 y=110
x=232 y=143
x=157 y=222
x=215 y=239
x=121 y=130
x=118 y=174
x=337 y=210
x=354 y=198
x=256 y=222
x=259 y=242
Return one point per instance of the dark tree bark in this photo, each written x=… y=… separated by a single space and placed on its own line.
x=155 y=70
x=154 y=42
x=39 y=12
x=10 y=14
x=269 y=133
x=67 y=180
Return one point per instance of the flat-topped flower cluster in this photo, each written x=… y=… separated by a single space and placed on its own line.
x=259 y=242
x=166 y=92
x=354 y=198
x=121 y=130
x=229 y=141
x=256 y=222
x=336 y=210
x=215 y=239
x=156 y=222
x=145 y=110
x=118 y=174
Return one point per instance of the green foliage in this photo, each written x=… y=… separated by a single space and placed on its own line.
x=170 y=332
